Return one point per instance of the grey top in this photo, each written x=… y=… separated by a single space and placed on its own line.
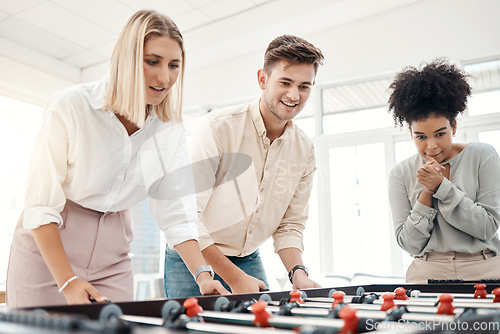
x=465 y=212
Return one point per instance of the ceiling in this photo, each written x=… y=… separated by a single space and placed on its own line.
x=67 y=37
x=82 y=33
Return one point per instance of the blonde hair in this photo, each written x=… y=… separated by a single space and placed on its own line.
x=125 y=94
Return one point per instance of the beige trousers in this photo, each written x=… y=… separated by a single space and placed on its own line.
x=454 y=265
x=97 y=245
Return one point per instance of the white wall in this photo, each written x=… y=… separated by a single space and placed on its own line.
x=31 y=76
x=458 y=29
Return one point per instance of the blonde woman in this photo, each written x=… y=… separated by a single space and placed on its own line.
x=102 y=148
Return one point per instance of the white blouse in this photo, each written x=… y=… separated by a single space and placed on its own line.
x=83 y=153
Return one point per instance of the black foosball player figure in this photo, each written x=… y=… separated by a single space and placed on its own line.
x=445 y=200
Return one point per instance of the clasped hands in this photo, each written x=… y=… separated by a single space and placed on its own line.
x=430 y=175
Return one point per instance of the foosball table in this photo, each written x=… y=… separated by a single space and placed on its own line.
x=438 y=307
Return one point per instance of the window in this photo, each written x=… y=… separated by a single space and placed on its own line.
x=484 y=103
x=21 y=121
x=360 y=224
x=359 y=147
x=354 y=121
x=355 y=106
x=491 y=137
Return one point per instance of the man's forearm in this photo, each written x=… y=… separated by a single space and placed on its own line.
x=290 y=257
x=227 y=270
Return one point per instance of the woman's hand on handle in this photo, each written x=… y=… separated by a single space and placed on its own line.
x=80 y=292
x=75 y=291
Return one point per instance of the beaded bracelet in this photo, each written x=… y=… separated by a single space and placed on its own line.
x=67 y=282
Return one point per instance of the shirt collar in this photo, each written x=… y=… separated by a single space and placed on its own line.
x=259 y=123
x=97 y=96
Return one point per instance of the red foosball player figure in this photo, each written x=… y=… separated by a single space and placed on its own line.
x=348 y=314
x=296 y=296
x=261 y=314
x=388 y=301
x=338 y=298
x=401 y=294
x=480 y=291
x=192 y=307
x=496 y=292
x=445 y=306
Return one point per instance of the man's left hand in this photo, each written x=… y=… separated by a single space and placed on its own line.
x=302 y=281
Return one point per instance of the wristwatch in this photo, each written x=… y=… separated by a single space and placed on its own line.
x=202 y=269
x=297 y=267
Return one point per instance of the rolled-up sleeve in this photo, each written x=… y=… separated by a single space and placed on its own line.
x=204 y=149
x=172 y=197
x=45 y=198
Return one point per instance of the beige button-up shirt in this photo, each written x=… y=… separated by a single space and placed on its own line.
x=248 y=188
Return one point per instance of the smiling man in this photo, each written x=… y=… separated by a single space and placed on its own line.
x=253 y=170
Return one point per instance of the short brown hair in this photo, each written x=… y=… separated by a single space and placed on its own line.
x=293 y=50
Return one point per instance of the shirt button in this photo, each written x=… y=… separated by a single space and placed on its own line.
x=257 y=211
x=249 y=231
x=261 y=190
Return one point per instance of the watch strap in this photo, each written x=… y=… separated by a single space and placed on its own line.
x=202 y=269
x=297 y=267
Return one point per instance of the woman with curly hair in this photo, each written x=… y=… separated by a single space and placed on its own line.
x=445 y=200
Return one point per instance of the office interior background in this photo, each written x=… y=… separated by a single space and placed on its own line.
x=48 y=45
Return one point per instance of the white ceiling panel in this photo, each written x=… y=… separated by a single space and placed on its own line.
x=85 y=59
x=40 y=40
x=110 y=14
x=36 y=60
x=223 y=8
x=3 y=16
x=191 y=20
x=200 y=3
x=66 y=25
x=105 y=49
x=80 y=34
x=239 y=40
x=171 y=8
x=260 y=2
x=15 y=6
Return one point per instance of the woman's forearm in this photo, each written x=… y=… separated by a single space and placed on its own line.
x=49 y=242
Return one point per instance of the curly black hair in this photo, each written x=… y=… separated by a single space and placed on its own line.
x=437 y=88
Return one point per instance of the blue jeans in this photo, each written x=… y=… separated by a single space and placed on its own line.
x=179 y=283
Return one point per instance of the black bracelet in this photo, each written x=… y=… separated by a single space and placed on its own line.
x=291 y=272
